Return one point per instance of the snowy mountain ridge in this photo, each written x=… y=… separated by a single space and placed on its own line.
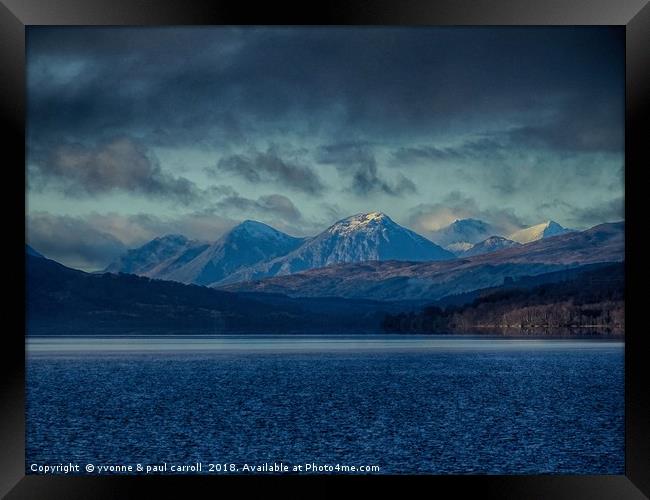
x=254 y=250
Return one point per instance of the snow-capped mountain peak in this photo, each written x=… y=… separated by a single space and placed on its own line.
x=538 y=231
x=358 y=222
x=362 y=237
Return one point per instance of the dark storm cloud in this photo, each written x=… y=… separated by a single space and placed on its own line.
x=567 y=134
x=577 y=127
x=369 y=82
x=529 y=113
x=270 y=167
x=357 y=161
x=119 y=164
x=509 y=162
x=607 y=211
x=86 y=82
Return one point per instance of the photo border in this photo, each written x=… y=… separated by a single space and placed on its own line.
x=16 y=15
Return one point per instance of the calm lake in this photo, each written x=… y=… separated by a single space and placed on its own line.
x=407 y=403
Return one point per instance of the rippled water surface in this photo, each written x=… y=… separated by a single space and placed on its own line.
x=410 y=404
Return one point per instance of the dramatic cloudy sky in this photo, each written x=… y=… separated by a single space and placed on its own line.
x=134 y=133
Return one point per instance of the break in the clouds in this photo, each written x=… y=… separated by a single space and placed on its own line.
x=168 y=129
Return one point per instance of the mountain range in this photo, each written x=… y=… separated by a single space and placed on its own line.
x=466 y=237
x=347 y=296
x=253 y=250
x=395 y=280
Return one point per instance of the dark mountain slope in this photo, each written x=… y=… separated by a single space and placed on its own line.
x=64 y=301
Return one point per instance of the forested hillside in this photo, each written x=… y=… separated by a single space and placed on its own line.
x=591 y=300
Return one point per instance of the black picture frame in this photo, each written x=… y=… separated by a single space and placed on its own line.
x=16 y=15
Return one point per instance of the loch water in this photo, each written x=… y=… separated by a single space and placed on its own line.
x=410 y=404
